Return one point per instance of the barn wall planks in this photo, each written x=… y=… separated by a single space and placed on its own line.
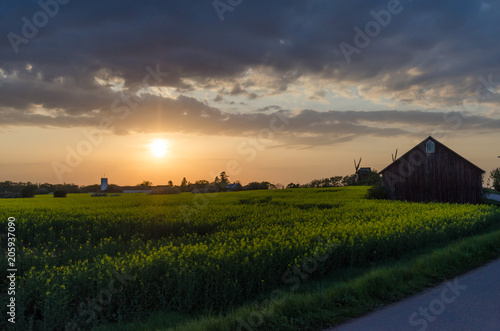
x=442 y=176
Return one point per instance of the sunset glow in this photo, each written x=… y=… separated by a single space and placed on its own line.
x=159 y=147
x=246 y=89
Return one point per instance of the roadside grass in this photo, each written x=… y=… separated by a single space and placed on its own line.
x=489 y=190
x=343 y=295
x=491 y=202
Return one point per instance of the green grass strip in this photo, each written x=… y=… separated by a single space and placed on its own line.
x=331 y=303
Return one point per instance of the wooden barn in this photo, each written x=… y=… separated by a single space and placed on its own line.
x=431 y=171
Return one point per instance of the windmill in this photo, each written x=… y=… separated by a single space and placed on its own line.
x=356 y=166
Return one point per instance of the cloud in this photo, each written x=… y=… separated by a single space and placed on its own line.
x=446 y=41
x=304 y=129
x=269 y=108
x=431 y=54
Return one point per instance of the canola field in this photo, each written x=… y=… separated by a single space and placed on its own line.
x=84 y=261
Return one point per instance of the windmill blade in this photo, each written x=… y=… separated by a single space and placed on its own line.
x=395 y=156
x=356 y=166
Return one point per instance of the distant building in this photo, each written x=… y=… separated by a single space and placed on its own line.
x=104 y=184
x=234 y=187
x=138 y=191
x=431 y=171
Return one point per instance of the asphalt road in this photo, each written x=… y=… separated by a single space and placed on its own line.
x=491 y=196
x=468 y=302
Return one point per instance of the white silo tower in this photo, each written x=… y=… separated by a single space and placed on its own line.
x=104 y=184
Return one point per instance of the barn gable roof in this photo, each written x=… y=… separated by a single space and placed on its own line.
x=423 y=144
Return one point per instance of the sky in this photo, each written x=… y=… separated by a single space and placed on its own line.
x=282 y=91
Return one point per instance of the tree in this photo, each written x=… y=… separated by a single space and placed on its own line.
x=222 y=181
x=90 y=188
x=199 y=185
x=224 y=177
x=325 y=182
x=372 y=178
x=202 y=182
x=495 y=175
x=41 y=190
x=258 y=186
x=28 y=191
x=170 y=184
x=60 y=194
x=113 y=188
x=349 y=180
x=146 y=183
x=184 y=183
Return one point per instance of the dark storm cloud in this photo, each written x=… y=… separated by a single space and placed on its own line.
x=446 y=43
x=269 y=108
x=446 y=39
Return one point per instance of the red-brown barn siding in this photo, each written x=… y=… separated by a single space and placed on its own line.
x=442 y=176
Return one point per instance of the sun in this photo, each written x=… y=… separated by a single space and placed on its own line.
x=158 y=147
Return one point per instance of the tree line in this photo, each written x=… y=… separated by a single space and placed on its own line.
x=221 y=183
x=372 y=178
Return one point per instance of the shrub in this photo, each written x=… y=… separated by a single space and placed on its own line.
x=10 y=195
x=28 y=191
x=257 y=186
x=495 y=175
x=377 y=191
x=41 y=191
x=60 y=194
x=372 y=179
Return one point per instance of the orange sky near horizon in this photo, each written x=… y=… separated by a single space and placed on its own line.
x=128 y=160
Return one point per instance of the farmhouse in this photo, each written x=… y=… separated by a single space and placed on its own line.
x=136 y=189
x=431 y=171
